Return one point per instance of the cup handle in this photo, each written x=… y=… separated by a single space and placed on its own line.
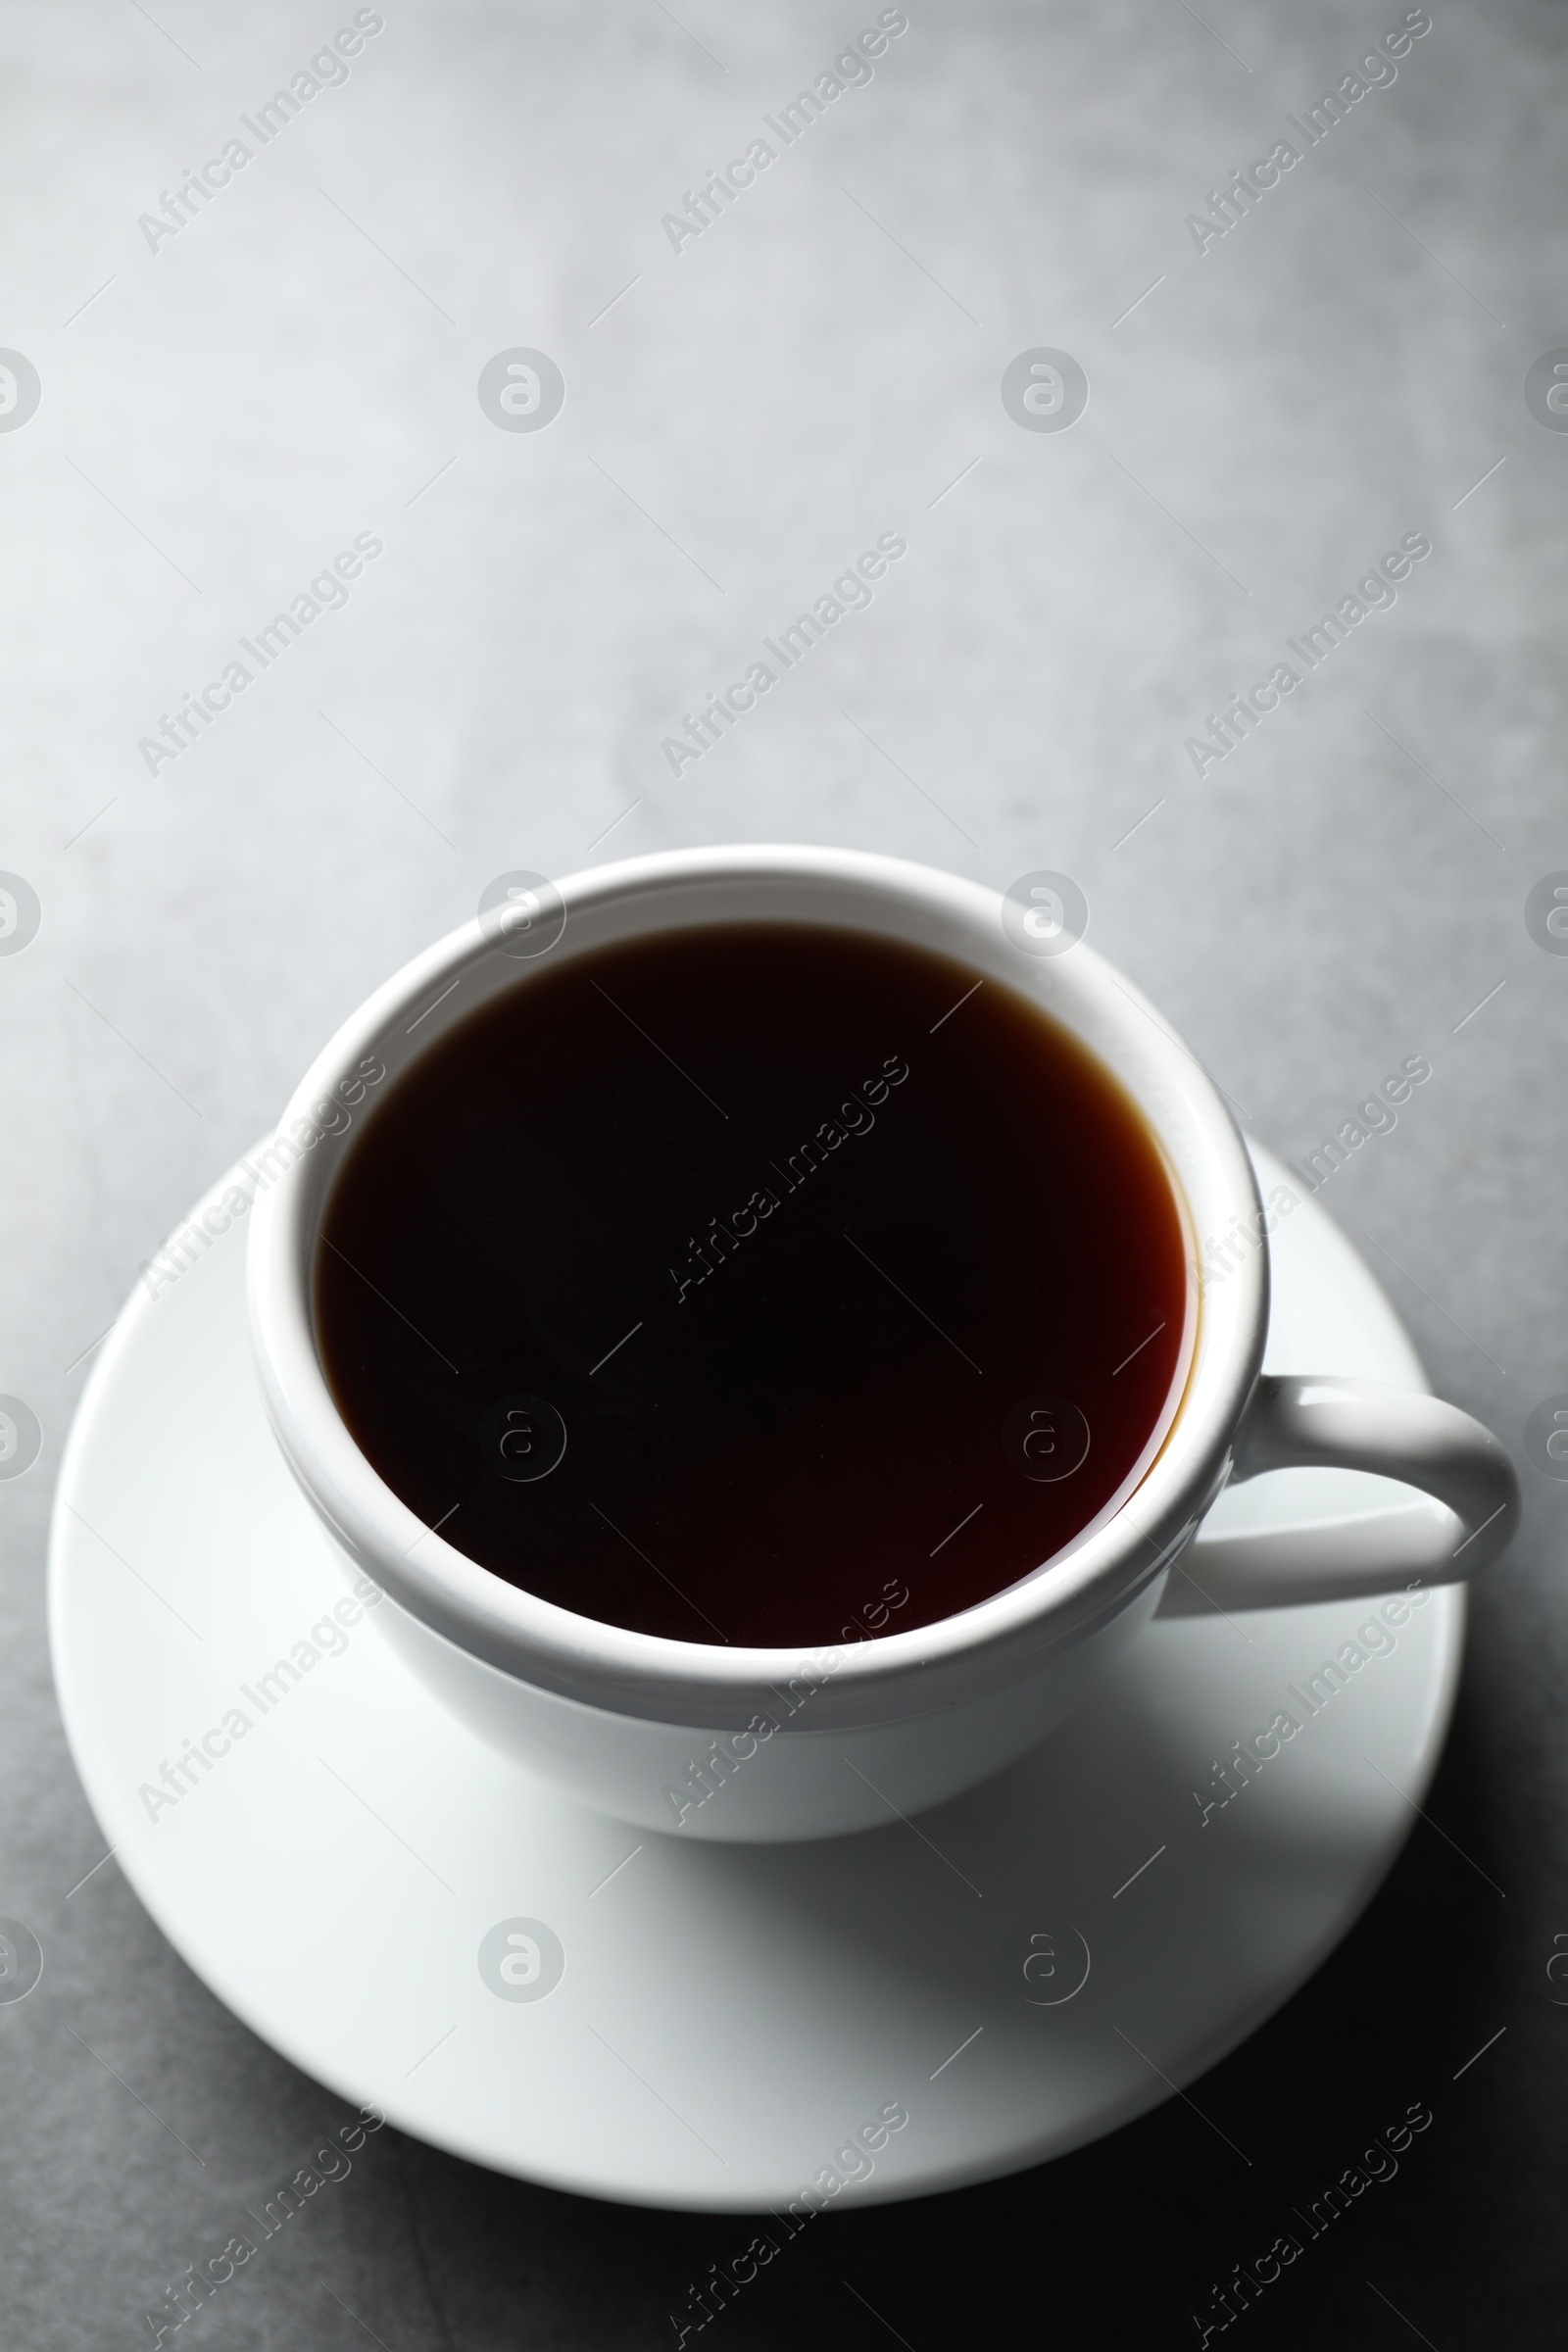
x=1469 y=1512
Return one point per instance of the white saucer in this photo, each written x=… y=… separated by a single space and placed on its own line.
x=1029 y=1968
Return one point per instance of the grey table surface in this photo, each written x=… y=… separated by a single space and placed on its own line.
x=223 y=407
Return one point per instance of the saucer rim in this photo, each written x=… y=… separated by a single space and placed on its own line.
x=95 y=1768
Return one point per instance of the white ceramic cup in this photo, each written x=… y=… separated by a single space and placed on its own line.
x=762 y=1744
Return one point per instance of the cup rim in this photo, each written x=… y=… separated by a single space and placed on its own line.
x=894 y=1676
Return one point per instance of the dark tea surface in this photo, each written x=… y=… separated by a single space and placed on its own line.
x=764 y=1284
